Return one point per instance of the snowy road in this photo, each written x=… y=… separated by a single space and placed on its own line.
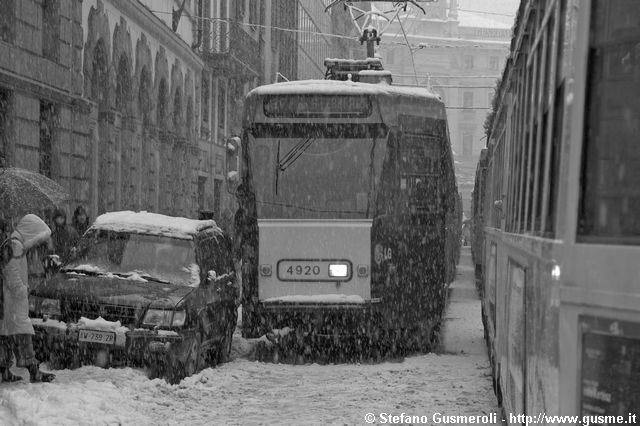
x=455 y=382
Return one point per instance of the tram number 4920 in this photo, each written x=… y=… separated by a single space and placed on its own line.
x=303 y=270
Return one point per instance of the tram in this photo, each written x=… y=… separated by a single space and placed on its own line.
x=347 y=220
x=557 y=210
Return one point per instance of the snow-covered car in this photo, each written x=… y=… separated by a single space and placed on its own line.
x=142 y=289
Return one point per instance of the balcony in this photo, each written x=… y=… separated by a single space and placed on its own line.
x=231 y=51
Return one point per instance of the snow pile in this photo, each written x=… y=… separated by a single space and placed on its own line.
x=102 y=324
x=87 y=396
x=317 y=298
x=154 y=224
x=50 y=323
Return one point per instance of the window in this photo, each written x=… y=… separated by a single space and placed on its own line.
x=205 y=99
x=123 y=84
x=493 y=63
x=217 y=197
x=162 y=103
x=240 y=5
x=467 y=62
x=5 y=98
x=144 y=96
x=222 y=103
x=610 y=199
x=467 y=145
x=177 y=111
x=51 y=29
x=467 y=99
x=7 y=20
x=47 y=127
x=254 y=13
x=201 y=190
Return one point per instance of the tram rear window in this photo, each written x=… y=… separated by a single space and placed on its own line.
x=310 y=106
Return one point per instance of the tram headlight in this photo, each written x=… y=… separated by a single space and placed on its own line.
x=338 y=270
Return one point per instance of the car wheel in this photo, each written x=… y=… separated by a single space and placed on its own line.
x=183 y=364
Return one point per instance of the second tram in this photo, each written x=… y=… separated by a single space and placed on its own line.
x=557 y=210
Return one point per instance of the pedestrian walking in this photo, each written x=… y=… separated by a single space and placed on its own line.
x=64 y=237
x=16 y=331
x=80 y=220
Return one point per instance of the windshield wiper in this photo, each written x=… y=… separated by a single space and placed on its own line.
x=141 y=275
x=82 y=271
x=294 y=153
x=154 y=279
x=290 y=157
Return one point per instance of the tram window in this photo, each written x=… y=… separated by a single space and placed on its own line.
x=610 y=199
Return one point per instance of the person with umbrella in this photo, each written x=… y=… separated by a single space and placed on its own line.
x=16 y=331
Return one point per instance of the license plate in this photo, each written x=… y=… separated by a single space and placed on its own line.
x=95 y=336
x=310 y=270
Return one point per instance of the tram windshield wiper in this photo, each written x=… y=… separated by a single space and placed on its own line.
x=290 y=157
x=294 y=153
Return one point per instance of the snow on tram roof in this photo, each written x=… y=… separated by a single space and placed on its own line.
x=154 y=224
x=338 y=87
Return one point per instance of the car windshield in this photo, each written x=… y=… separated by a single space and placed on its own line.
x=150 y=257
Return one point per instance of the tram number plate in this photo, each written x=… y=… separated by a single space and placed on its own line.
x=95 y=336
x=304 y=270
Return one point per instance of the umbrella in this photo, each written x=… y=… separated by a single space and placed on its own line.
x=23 y=191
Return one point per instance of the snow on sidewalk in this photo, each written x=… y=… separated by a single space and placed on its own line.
x=455 y=382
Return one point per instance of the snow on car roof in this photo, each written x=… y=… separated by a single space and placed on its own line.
x=338 y=87
x=154 y=224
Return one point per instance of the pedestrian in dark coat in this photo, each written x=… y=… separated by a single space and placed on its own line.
x=64 y=237
x=80 y=220
x=16 y=331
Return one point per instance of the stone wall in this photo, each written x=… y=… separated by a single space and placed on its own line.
x=40 y=70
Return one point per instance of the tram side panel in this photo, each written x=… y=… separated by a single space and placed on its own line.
x=520 y=309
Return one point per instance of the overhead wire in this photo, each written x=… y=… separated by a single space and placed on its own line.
x=320 y=33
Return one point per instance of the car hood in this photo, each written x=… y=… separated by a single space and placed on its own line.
x=112 y=290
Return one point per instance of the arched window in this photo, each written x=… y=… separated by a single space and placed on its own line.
x=161 y=113
x=177 y=111
x=123 y=84
x=100 y=76
x=144 y=96
x=190 y=117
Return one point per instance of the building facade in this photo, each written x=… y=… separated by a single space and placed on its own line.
x=241 y=49
x=101 y=97
x=459 y=54
x=44 y=116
